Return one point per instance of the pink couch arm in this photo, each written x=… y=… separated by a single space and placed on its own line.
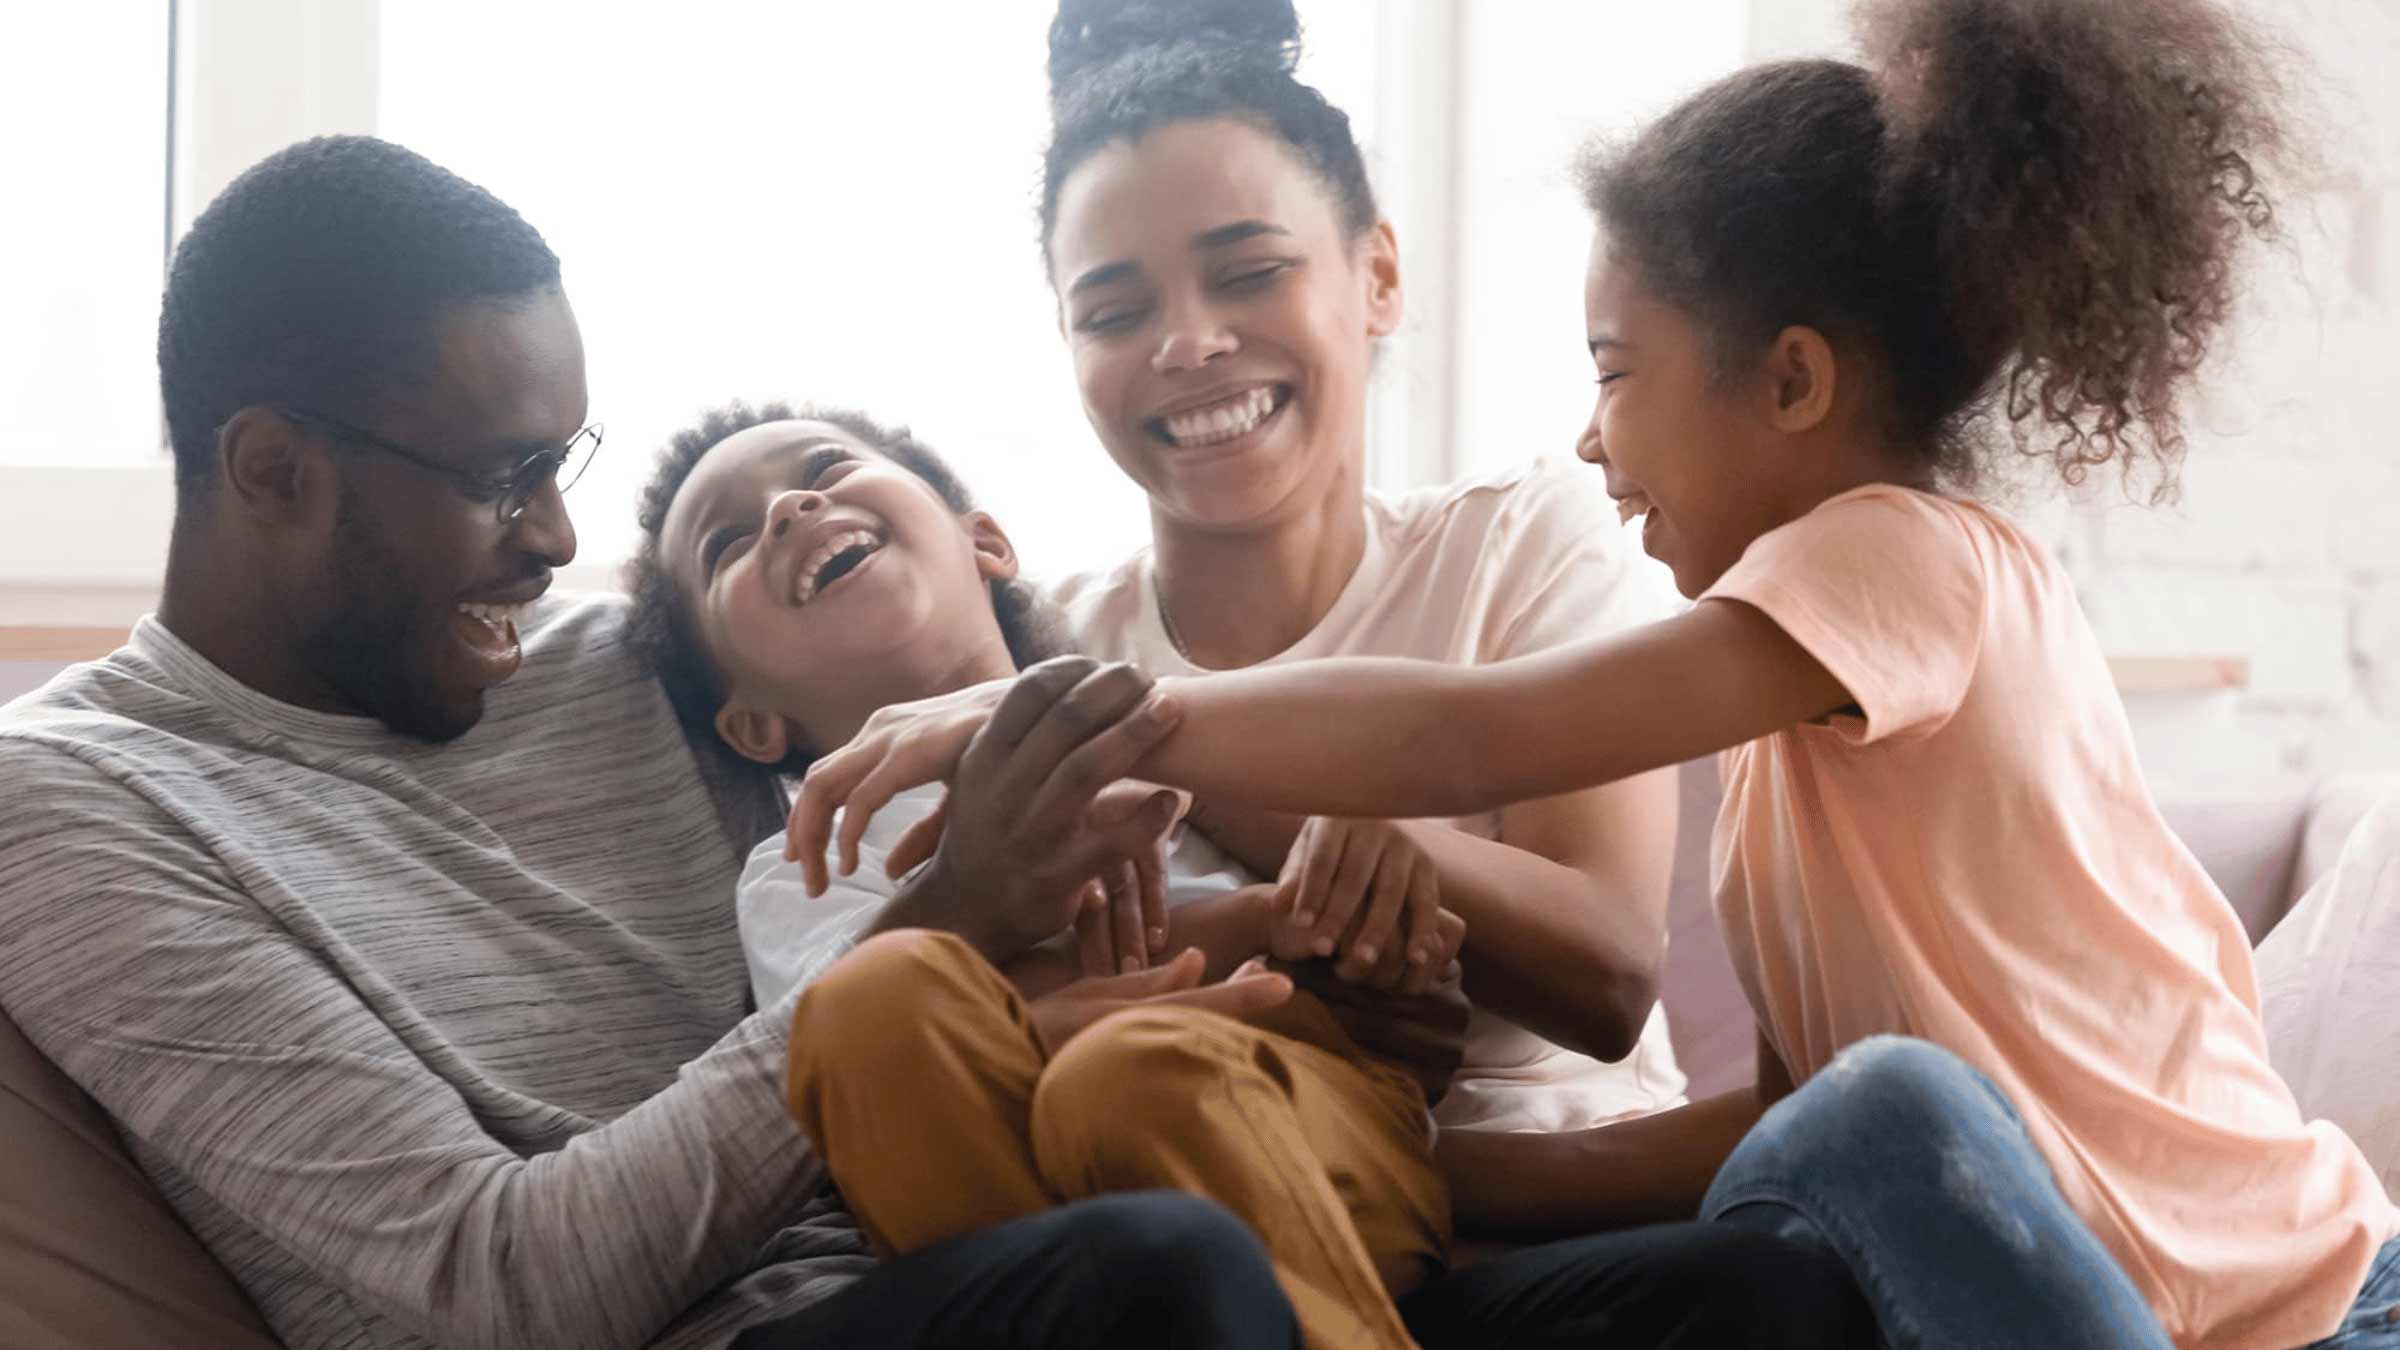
x=90 y=1253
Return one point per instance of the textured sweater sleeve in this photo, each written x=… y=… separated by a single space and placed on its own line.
x=230 y=1051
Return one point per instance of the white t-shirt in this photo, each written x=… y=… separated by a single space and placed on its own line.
x=2329 y=992
x=789 y=939
x=1467 y=573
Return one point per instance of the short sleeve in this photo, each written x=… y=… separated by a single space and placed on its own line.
x=789 y=937
x=1885 y=588
x=1570 y=570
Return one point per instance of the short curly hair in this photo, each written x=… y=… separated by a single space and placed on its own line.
x=313 y=280
x=662 y=630
x=2025 y=211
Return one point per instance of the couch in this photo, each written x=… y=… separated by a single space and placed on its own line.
x=91 y=1254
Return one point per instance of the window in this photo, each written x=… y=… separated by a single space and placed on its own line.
x=82 y=245
x=828 y=203
x=815 y=201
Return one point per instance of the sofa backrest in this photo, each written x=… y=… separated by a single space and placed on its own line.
x=90 y=1252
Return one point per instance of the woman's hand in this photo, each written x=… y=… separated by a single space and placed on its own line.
x=1072 y=711
x=1364 y=892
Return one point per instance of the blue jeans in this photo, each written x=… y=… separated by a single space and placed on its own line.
x=2374 y=1321
x=1916 y=1171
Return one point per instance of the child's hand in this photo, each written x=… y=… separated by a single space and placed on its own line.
x=1123 y=924
x=1364 y=890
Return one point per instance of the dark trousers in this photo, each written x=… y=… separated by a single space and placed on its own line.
x=1679 y=1286
x=1147 y=1269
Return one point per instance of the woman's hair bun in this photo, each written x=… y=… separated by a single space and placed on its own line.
x=1088 y=34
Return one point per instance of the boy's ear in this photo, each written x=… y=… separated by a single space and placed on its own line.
x=1800 y=379
x=995 y=556
x=761 y=737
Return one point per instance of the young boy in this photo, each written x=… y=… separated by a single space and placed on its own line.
x=800 y=571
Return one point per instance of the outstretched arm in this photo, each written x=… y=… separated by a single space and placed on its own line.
x=1379 y=738
x=1369 y=737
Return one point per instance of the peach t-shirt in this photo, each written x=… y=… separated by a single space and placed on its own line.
x=1972 y=858
x=1499 y=566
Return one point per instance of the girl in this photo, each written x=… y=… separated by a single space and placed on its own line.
x=1811 y=285
x=1222 y=278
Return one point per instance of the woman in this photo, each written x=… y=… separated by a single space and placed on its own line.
x=1222 y=277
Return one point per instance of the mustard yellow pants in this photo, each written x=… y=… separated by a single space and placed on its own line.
x=917 y=1074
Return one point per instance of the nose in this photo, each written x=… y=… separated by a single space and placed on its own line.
x=544 y=530
x=787 y=509
x=1191 y=338
x=1588 y=447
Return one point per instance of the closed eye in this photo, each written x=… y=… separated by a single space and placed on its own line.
x=712 y=549
x=1113 y=320
x=822 y=461
x=1255 y=278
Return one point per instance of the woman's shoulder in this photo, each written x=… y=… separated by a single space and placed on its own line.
x=1101 y=608
x=1538 y=507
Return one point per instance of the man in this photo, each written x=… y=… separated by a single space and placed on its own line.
x=378 y=898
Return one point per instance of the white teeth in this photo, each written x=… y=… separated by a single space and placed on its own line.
x=813 y=566
x=1629 y=507
x=1224 y=421
x=494 y=615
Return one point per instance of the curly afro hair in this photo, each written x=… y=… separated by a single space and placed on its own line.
x=2024 y=211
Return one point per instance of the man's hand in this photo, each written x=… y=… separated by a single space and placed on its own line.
x=1363 y=892
x=1086 y=714
x=1021 y=837
x=1058 y=1017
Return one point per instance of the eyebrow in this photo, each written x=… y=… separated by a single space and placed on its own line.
x=1236 y=233
x=1110 y=273
x=1606 y=340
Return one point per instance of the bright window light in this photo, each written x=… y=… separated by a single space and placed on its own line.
x=83 y=92
x=820 y=202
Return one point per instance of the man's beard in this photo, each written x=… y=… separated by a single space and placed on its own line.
x=371 y=646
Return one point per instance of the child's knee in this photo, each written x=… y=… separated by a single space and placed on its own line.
x=879 y=1004
x=1887 y=1097
x=1134 y=1073
x=1902 y=1082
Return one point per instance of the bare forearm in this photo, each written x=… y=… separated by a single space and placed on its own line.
x=1353 y=737
x=1543 y=949
x=1368 y=738
x=1650 y=1170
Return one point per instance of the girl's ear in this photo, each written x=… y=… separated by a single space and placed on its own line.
x=1379 y=254
x=1800 y=379
x=995 y=556
x=761 y=737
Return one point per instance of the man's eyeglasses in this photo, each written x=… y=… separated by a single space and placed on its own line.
x=510 y=493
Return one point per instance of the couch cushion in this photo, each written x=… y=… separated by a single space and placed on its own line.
x=90 y=1253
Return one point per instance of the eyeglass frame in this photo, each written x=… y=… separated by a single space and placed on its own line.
x=522 y=483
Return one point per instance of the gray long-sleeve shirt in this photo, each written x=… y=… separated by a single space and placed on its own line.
x=432 y=1045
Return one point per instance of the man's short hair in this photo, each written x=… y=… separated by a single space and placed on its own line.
x=314 y=279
